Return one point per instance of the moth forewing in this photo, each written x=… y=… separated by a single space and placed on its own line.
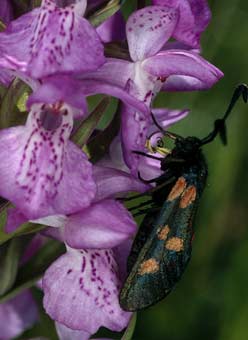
x=165 y=253
x=144 y=285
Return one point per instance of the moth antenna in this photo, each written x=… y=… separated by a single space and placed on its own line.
x=219 y=124
x=171 y=135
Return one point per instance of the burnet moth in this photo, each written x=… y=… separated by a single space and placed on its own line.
x=163 y=244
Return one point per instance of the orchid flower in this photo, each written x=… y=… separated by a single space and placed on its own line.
x=152 y=70
x=50 y=40
x=82 y=287
x=194 y=16
x=44 y=164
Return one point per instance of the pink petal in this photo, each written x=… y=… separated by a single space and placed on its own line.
x=60 y=88
x=6 y=12
x=81 y=291
x=113 y=29
x=103 y=225
x=167 y=117
x=65 y=333
x=6 y=77
x=134 y=129
x=148 y=30
x=113 y=182
x=49 y=40
x=90 y=87
x=194 y=16
x=184 y=83
x=17 y=315
x=113 y=71
x=14 y=219
x=45 y=166
x=183 y=63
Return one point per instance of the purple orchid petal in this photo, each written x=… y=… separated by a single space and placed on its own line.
x=73 y=91
x=81 y=291
x=177 y=45
x=167 y=117
x=194 y=16
x=49 y=40
x=113 y=71
x=134 y=129
x=184 y=83
x=16 y=315
x=103 y=225
x=60 y=89
x=113 y=29
x=6 y=77
x=148 y=30
x=6 y=13
x=113 y=182
x=90 y=87
x=33 y=246
x=65 y=333
x=14 y=219
x=44 y=165
x=183 y=63
x=114 y=159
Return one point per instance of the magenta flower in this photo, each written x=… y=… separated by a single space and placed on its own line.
x=45 y=165
x=17 y=315
x=113 y=29
x=82 y=287
x=194 y=16
x=50 y=40
x=154 y=68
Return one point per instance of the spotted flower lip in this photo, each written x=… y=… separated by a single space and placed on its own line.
x=94 y=271
x=51 y=40
x=84 y=283
x=44 y=165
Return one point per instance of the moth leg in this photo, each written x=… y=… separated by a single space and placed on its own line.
x=148 y=192
x=144 y=211
x=141 y=205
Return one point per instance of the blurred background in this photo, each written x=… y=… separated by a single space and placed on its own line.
x=211 y=300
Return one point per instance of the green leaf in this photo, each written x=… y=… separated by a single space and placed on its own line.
x=9 y=113
x=10 y=254
x=130 y=329
x=33 y=270
x=89 y=124
x=104 y=13
x=2 y=26
x=24 y=229
x=100 y=144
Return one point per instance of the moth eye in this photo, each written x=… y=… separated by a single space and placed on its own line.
x=160 y=143
x=155 y=141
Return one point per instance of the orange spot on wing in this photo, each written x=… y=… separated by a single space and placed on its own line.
x=174 y=243
x=148 y=267
x=178 y=189
x=188 y=197
x=164 y=232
